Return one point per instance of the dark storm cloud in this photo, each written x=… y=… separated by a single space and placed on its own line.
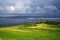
x=29 y=6
x=56 y=3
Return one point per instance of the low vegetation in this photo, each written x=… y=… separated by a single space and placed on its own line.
x=38 y=31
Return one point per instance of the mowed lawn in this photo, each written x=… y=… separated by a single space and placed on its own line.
x=34 y=32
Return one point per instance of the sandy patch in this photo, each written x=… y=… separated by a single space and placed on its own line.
x=23 y=31
x=18 y=30
x=32 y=27
x=1 y=39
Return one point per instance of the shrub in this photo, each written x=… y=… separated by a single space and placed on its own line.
x=34 y=25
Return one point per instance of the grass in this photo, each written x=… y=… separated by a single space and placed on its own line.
x=30 y=32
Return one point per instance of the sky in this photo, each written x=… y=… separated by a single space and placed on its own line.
x=31 y=7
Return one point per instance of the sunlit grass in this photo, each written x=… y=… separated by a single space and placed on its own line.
x=31 y=32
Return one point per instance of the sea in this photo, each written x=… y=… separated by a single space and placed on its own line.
x=19 y=21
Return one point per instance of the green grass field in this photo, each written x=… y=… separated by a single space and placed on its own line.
x=30 y=32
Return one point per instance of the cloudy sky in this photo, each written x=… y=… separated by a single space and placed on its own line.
x=44 y=7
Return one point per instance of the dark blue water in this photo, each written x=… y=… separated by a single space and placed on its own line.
x=17 y=21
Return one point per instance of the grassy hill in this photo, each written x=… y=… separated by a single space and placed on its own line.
x=41 y=31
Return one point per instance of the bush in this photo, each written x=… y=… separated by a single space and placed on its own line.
x=51 y=22
x=59 y=25
x=26 y=25
x=34 y=25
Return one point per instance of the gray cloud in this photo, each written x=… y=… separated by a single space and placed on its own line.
x=27 y=6
x=50 y=8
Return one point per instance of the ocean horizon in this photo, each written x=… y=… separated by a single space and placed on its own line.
x=18 y=21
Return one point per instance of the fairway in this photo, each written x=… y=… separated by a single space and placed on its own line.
x=34 y=32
